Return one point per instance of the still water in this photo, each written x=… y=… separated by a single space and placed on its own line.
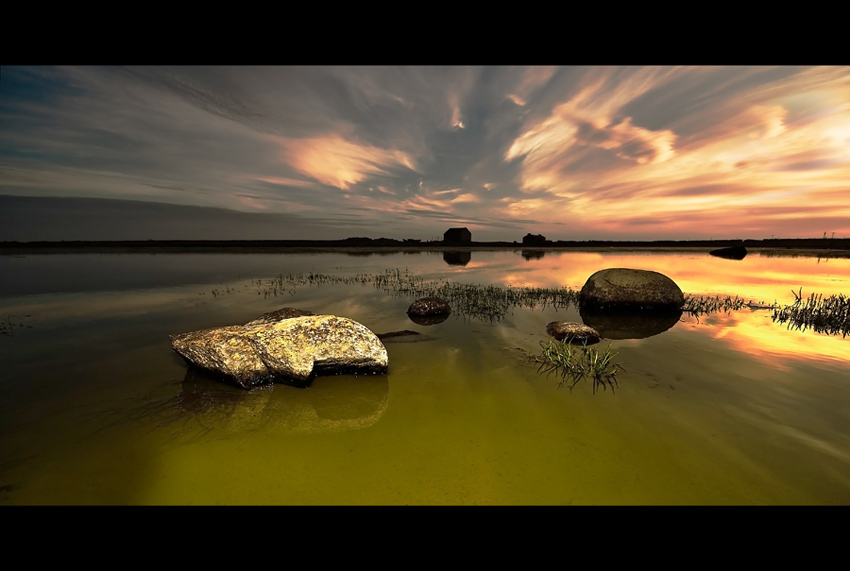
x=730 y=408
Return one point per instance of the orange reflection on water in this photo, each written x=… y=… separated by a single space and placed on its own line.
x=772 y=343
x=756 y=277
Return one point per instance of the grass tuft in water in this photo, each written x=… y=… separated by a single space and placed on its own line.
x=698 y=305
x=484 y=302
x=574 y=363
x=830 y=315
x=492 y=303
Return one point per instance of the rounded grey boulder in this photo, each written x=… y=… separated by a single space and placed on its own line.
x=629 y=288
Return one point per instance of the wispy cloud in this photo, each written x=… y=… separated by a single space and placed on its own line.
x=573 y=152
x=339 y=162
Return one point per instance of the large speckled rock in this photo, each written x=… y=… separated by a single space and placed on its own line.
x=291 y=350
x=628 y=288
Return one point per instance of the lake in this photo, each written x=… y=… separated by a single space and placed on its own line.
x=727 y=408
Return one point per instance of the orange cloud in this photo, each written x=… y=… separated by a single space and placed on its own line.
x=628 y=141
x=338 y=162
x=749 y=169
x=456 y=121
x=549 y=148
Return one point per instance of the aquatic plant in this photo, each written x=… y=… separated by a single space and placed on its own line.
x=9 y=325
x=484 y=302
x=830 y=315
x=574 y=363
x=492 y=302
x=698 y=305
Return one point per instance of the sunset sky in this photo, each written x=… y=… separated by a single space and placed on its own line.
x=573 y=153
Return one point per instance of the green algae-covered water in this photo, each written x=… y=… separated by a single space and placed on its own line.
x=730 y=408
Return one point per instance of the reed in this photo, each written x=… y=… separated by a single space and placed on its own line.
x=576 y=363
x=830 y=315
x=492 y=303
x=13 y=322
x=484 y=302
x=698 y=305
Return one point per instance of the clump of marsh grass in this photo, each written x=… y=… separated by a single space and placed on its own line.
x=11 y=323
x=484 y=302
x=492 y=303
x=574 y=363
x=698 y=305
x=830 y=315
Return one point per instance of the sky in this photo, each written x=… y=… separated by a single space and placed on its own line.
x=322 y=152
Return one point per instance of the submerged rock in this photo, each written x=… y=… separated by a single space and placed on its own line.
x=291 y=350
x=623 y=288
x=572 y=332
x=428 y=306
x=396 y=334
x=429 y=311
x=404 y=336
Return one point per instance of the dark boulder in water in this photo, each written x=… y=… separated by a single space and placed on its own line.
x=624 y=288
x=731 y=253
x=429 y=306
x=429 y=311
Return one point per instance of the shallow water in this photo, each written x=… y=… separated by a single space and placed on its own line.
x=730 y=408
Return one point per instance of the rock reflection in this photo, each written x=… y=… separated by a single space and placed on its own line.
x=428 y=319
x=533 y=254
x=633 y=324
x=331 y=404
x=457 y=258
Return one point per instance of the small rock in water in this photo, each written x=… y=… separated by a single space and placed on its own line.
x=429 y=306
x=391 y=334
x=429 y=311
x=572 y=332
x=731 y=253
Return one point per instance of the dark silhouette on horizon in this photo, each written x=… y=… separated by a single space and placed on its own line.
x=457 y=236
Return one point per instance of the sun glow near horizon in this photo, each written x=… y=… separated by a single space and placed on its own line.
x=749 y=171
x=596 y=152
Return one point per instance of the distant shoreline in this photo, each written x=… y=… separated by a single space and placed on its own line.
x=811 y=246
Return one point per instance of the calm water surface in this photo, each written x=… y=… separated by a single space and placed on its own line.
x=730 y=408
